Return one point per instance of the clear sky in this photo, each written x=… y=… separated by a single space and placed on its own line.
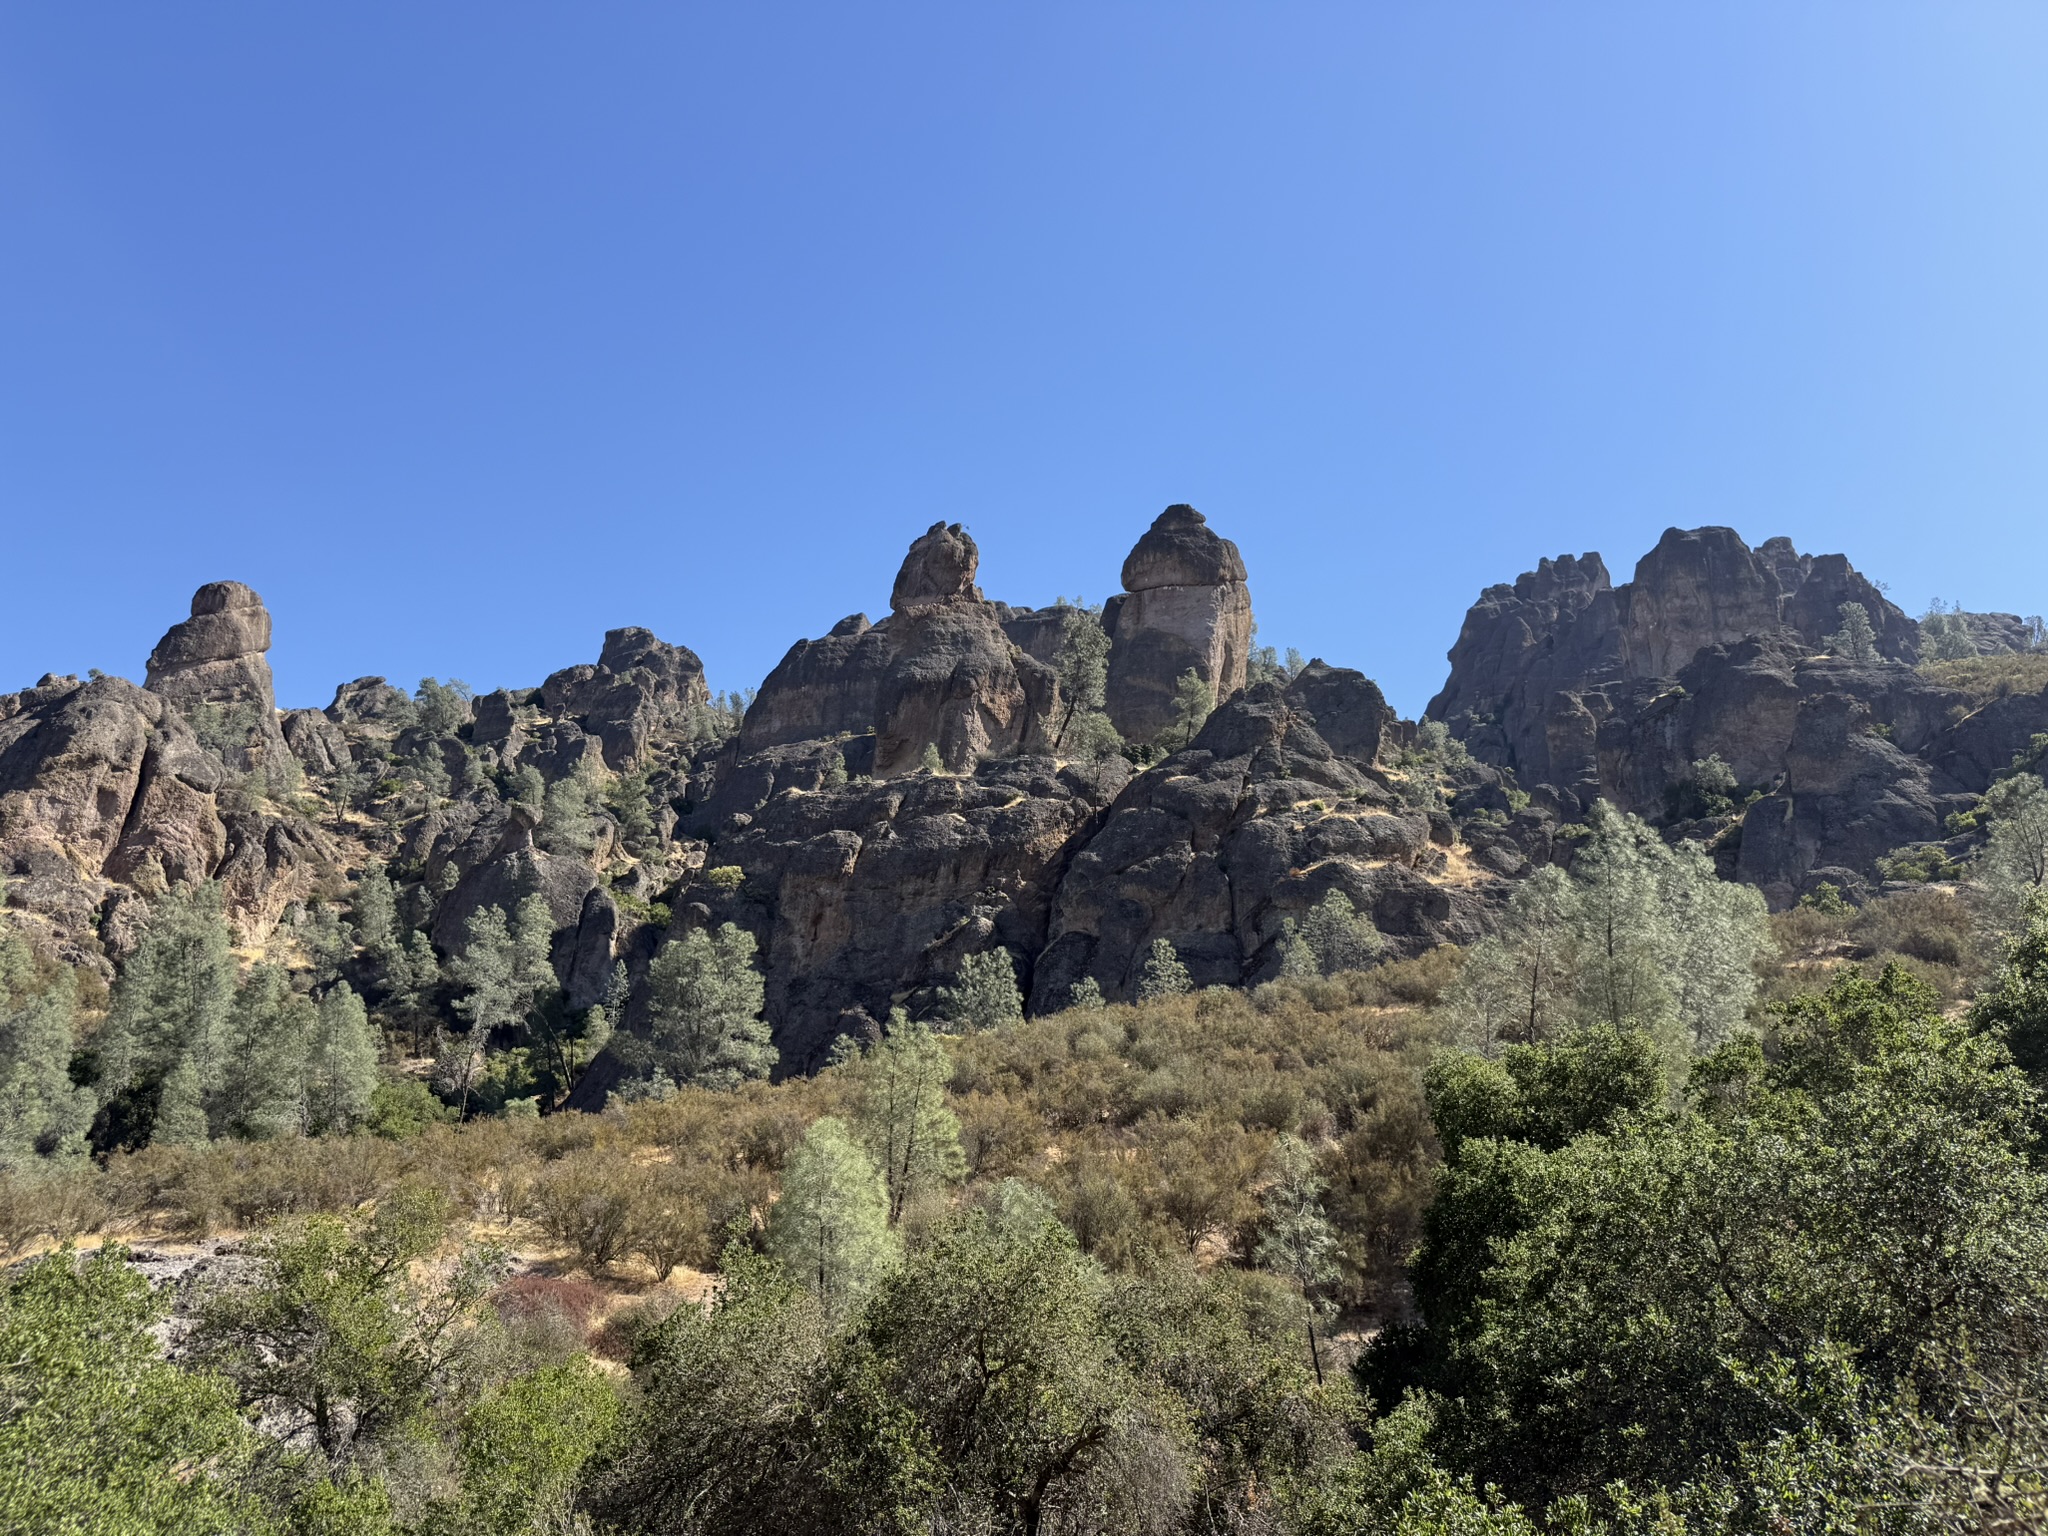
x=466 y=332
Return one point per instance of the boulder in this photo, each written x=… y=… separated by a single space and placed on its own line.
x=1185 y=607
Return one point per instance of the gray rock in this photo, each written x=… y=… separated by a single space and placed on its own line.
x=1186 y=607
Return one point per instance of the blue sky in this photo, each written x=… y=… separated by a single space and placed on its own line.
x=465 y=332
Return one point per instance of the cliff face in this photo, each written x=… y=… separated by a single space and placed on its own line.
x=1715 y=649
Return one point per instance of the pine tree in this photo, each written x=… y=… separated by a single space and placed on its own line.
x=566 y=825
x=2014 y=1005
x=931 y=762
x=830 y=1228
x=1623 y=928
x=341 y=1065
x=1164 y=975
x=902 y=1117
x=1082 y=662
x=1333 y=937
x=489 y=968
x=2014 y=863
x=704 y=1000
x=43 y=1117
x=170 y=1009
x=986 y=995
x=373 y=912
x=1085 y=993
x=1856 y=639
x=262 y=1089
x=1297 y=1239
x=1193 y=701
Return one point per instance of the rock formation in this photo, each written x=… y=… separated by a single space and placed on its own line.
x=1185 y=606
x=213 y=669
x=939 y=672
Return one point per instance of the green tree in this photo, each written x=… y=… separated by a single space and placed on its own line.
x=43 y=1115
x=1193 y=701
x=261 y=1091
x=1296 y=1238
x=373 y=913
x=523 y=1446
x=441 y=708
x=1333 y=937
x=704 y=1000
x=567 y=825
x=2013 y=1006
x=1610 y=1291
x=341 y=1064
x=985 y=996
x=1082 y=662
x=725 y=1393
x=931 y=762
x=169 y=1009
x=1856 y=639
x=340 y=1338
x=1163 y=975
x=902 y=1116
x=1085 y=993
x=2013 y=866
x=99 y=1434
x=831 y=1225
x=1517 y=984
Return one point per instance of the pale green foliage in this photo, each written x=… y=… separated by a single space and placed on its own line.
x=341 y=1339
x=373 y=912
x=261 y=1093
x=504 y=965
x=2014 y=863
x=985 y=995
x=170 y=1004
x=1296 y=1237
x=1091 y=737
x=566 y=823
x=1856 y=639
x=1193 y=700
x=442 y=708
x=1332 y=937
x=526 y=787
x=901 y=1115
x=1085 y=993
x=1163 y=975
x=931 y=762
x=1517 y=984
x=99 y=1434
x=831 y=1226
x=1082 y=662
x=341 y=1064
x=1945 y=634
x=43 y=1118
x=704 y=1000
x=1639 y=935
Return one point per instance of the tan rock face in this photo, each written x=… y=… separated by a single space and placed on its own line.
x=1186 y=606
x=212 y=668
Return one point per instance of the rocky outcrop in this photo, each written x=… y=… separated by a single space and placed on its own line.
x=1215 y=848
x=106 y=788
x=1540 y=668
x=1185 y=606
x=939 y=672
x=640 y=693
x=212 y=668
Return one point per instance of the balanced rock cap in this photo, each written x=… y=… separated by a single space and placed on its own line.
x=1180 y=549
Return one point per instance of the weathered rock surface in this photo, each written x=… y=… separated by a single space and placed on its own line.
x=212 y=667
x=1185 y=606
x=1718 y=650
x=1214 y=848
x=940 y=671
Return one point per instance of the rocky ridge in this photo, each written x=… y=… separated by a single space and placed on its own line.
x=640 y=807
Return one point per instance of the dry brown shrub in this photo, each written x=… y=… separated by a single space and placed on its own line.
x=999 y=1135
x=59 y=1204
x=585 y=1202
x=1985 y=678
